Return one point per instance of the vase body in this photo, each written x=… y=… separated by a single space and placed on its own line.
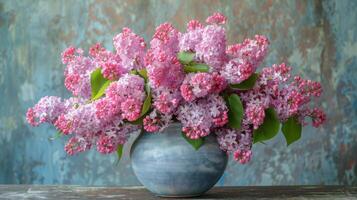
x=167 y=165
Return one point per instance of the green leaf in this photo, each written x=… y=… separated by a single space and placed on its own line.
x=196 y=143
x=101 y=91
x=291 y=130
x=120 y=151
x=196 y=67
x=97 y=81
x=134 y=72
x=186 y=57
x=246 y=84
x=269 y=128
x=147 y=102
x=235 y=113
x=143 y=73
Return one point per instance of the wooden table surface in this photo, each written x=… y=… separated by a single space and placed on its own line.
x=19 y=192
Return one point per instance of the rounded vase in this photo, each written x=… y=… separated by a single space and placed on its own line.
x=167 y=165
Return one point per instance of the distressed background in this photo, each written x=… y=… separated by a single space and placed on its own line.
x=319 y=38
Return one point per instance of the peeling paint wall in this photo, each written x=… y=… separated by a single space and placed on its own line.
x=319 y=38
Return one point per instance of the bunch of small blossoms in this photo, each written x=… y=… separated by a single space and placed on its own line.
x=194 y=78
x=97 y=121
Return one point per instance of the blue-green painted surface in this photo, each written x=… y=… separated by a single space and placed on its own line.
x=318 y=37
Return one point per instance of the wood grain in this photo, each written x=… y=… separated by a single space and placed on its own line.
x=120 y=193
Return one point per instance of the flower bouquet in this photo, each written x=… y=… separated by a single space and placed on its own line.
x=192 y=78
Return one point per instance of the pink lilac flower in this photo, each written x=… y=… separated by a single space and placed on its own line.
x=219 y=83
x=129 y=93
x=194 y=25
x=237 y=70
x=227 y=139
x=165 y=71
x=63 y=125
x=111 y=70
x=267 y=84
x=165 y=75
x=197 y=85
x=251 y=50
x=131 y=49
x=285 y=111
x=288 y=102
x=110 y=63
x=30 y=117
x=156 y=122
x=265 y=93
x=217 y=110
x=79 y=121
x=166 y=100
x=216 y=18
x=307 y=87
x=77 y=72
x=189 y=40
x=107 y=109
x=106 y=140
x=231 y=139
x=77 y=144
x=275 y=75
x=131 y=109
x=199 y=117
x=291 y=99
x=212 y=48
x=255 y=115
x=243 y=156
x=106 y=144
x=72 y=102
x=127 y=86
x=245 y=58
x=120 y=131
x=165 y=39
x=195 y=120
x=208 y=42
x=239 y=142
x=68 y=55
x=116 y=133
x=245 y=136
x=96 y=50
x=287 y=99
x=46 y=110
x=318 y=117
x=193 y=36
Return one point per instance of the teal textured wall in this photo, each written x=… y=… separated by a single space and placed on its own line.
x=318 y=37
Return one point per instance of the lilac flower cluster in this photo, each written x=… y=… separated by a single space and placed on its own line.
x=289 y=97
x=198 y=85
x=200 y=117
x=97 y=122
x=149 y=88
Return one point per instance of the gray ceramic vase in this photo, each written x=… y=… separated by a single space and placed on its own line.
x=167 y=165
